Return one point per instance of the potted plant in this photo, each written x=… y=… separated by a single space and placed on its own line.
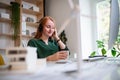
x=63 y=37
x=101 y=47
x=115 y=50
x=15 y=18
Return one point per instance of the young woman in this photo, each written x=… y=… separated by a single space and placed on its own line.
x=47 y=42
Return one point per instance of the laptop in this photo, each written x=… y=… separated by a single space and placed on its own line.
x=94 y=58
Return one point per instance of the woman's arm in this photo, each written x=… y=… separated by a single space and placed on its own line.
x=60 y=43
x=58 y=56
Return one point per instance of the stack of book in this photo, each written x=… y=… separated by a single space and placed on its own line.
x=22 y=58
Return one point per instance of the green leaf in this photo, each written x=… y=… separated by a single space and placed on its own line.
x=113 y=51
x=100 y=44
x=103 y=51
x=93 y=53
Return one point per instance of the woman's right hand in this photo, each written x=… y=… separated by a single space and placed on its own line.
x=58 y=56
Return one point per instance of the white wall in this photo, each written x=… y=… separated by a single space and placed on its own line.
x=60 y=10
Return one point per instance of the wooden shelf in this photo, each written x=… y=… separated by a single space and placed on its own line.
x=5 y=20
x=8 y=35
x=2 y=49
x=26 y=36
x=33 y=1
x=2 y=34
x=32 y=24
x=5 y=6
x=27 y=11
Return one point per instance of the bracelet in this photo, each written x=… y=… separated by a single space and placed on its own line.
x=58 y=40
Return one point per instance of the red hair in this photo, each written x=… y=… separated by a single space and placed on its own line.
x=41 y=25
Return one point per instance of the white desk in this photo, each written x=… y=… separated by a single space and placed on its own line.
x=98 y=70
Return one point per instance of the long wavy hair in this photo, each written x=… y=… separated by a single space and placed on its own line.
x=42 y=22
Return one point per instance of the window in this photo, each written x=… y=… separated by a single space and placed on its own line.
x=103 y=20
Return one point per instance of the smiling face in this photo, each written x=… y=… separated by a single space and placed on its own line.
x=48 y=28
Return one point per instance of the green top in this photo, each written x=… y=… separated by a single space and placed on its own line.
x=44 y=50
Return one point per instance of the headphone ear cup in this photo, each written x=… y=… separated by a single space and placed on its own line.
x=40 y=28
